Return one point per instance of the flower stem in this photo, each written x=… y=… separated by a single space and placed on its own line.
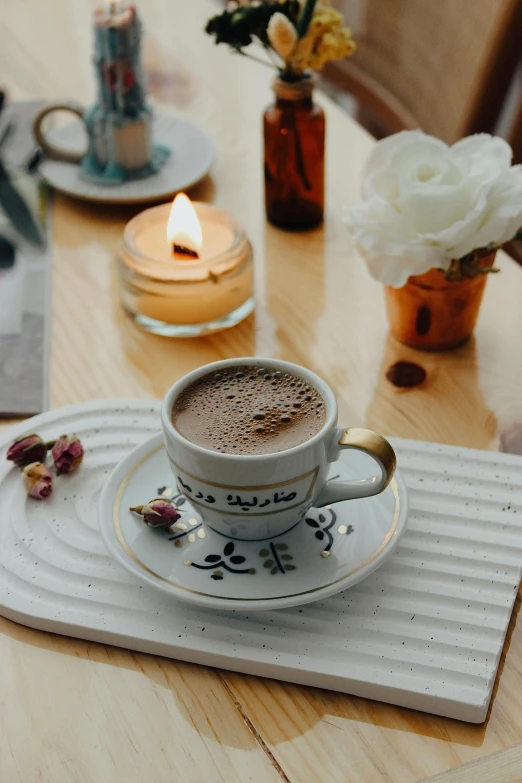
x=257 y=59
x=470 y=266
x=271 y=53
x=300 y=159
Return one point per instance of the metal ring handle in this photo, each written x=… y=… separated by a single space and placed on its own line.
x=52 y=150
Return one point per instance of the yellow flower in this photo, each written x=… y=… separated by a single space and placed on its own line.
x=327 y=39
x=281 y=34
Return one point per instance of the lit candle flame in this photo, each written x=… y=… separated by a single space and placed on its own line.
x=183 y=227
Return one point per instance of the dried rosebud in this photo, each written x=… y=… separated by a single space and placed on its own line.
x=38 y=480
x=30 y=448
x=67 y=454
x=158 y=513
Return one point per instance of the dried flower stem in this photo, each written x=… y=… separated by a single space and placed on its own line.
x=270 y=65
x=271 y=54
x=469 y=266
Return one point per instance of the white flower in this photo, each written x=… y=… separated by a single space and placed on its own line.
x=425 y=203
x=281 y=34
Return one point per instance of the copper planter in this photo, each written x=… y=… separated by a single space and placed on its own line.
x=434 y=314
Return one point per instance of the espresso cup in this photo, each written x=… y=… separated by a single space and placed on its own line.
x=258 y=496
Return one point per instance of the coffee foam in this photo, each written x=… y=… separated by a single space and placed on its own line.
x=249 y=410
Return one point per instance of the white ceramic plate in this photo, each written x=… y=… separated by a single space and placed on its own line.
x=331 y=549
x=192 y=154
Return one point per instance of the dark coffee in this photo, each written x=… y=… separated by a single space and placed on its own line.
x=249 y=410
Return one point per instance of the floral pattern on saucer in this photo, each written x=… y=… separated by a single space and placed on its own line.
x=275 y=554
x=327 y=551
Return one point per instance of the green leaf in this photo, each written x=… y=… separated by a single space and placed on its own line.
x=303 y=23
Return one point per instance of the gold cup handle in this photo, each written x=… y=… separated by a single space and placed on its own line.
x=52 y=150
x=377 y=447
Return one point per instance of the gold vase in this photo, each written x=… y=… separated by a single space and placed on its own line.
x=435 y=314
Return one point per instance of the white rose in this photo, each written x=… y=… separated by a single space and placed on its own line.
x=425 y=203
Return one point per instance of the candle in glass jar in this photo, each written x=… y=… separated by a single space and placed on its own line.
x=186 y=270
x=207 y=238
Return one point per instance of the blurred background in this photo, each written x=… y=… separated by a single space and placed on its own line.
x=450 y=67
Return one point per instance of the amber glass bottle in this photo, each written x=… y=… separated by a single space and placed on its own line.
x=294 y=130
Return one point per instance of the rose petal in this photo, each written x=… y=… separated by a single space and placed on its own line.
x=384 y=151
x=502 y=218
x=482 y=146
x=432 y=209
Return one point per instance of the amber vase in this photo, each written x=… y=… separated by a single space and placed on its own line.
x=435 y=314
x=294 y=132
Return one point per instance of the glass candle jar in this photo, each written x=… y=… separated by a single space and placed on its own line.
x=170 y=294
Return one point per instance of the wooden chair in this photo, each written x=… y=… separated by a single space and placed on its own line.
x=515 y=133
x=515 y=139
x=442 y=65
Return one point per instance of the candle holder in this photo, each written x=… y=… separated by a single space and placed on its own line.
x=186 y=297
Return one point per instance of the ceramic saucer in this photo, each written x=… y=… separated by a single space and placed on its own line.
x=331 y=549
x=190 y=159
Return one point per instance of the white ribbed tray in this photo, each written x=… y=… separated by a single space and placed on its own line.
x=425 y=631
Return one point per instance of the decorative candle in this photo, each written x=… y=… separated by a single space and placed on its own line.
x=186 y=269
x=120 y=122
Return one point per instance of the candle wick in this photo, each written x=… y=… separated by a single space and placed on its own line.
x=184 y=251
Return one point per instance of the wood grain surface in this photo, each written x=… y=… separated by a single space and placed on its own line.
x=72 y=711
x=502 y=767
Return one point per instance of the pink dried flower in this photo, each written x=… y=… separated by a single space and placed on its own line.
x=29 y=448
x=37 y=480
x=67 y=454
x=158 y=513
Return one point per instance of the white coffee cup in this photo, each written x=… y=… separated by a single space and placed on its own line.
x=257 y=496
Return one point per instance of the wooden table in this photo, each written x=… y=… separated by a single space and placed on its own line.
x=76 y=711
